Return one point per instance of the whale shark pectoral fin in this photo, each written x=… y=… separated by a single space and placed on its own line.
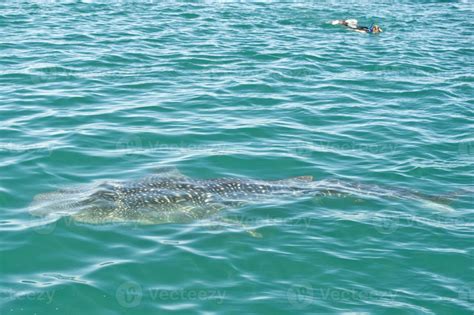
x=207 y=210
x=81 y=218
x=96 y=215
x=236 y=223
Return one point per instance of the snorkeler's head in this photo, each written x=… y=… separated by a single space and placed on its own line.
x=374 y=28
x=377 y=29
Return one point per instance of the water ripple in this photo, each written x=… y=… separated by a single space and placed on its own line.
x=93 y=90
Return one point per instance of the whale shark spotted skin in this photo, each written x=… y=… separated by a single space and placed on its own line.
x=163 y=198
x=170 y=197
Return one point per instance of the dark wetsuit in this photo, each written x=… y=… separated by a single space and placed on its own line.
x=357 y=28
x=363 y=28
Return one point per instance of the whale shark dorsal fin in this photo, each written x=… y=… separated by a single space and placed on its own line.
x=167 y=172
x=306 y=178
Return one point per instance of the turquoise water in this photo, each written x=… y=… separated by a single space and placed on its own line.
x=112 y=90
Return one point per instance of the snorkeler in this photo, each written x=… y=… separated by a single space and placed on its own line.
x=352 y=24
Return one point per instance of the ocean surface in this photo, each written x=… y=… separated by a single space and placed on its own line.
x=113 y=90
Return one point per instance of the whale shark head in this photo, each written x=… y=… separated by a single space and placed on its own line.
x=69 y=201
x=152 y=200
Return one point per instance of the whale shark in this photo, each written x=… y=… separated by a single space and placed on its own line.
x=168 y=196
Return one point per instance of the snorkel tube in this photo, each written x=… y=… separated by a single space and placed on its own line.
x=371 y=28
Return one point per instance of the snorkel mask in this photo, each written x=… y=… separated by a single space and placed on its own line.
x=374 y=28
